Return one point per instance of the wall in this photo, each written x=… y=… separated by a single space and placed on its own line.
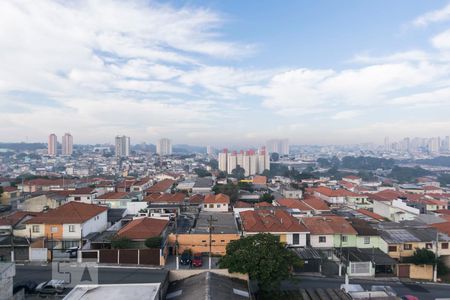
x=351 y=240
x=223 y=207
x=7 y=273
x=375 y=242
x=200 y=242
x=329 y=243
x=96 y=225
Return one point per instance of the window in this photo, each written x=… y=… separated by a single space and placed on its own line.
x=322 y=239
x=218 y=205
x=392 y=249
x=429 y=245
x=344 y=238
x=367 y=240
x=204 y=241
x=54 y=229
x=35 y=228
x=205 y=206
x=211 y=206
x=222 y=241
x=295 y=239
x=407 y=247
x=77 y=198
x=71 y=228
x=444 y=245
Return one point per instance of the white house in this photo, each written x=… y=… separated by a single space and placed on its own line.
x=216 y=203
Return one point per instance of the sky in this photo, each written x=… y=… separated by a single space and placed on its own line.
x=224 y=72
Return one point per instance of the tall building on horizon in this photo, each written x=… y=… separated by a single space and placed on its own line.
x=122 y=146
x=164 y=147
x=280 y=146
x=67 y=144
x=252 y=162
x=52 y=145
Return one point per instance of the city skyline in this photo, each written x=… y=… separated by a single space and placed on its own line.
x=217 y=73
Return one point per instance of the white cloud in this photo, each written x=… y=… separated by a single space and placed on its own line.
x=439 y=15
x=346 y=115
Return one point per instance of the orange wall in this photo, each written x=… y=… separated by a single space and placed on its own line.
x=200 y=242
x=56 y=235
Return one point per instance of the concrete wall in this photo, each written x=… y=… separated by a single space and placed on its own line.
x=182 y=274
x=329 y=241
x=7 y=273
x=199 y=243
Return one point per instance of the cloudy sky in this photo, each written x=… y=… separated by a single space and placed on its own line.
x=224 y=72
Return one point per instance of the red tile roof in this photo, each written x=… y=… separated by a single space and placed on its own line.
x=258 y=179
x=371 y=214
x=10 y=189
x=328 y=225
x=197 y=199
x=386 y=195
x=161 y=187
x=334 y=193
x=165 y=198
x=113 y=196
x=69 y=213
x=294 y=204
x=351 y=177
x=83 y=191
x=276 y=220
x=442 y=227
x=316 y=203
x=243 y=204
x=15 y=217
x=143 y=228
x=219 y=198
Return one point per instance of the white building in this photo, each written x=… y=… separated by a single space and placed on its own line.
x=52 y=145
x=164 y=147
x=67 y=144
x=280 y=146
x=122 y=146
x=231 y=162
x=253 y=163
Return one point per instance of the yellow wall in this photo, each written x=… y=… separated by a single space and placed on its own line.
x=56 y=235
x=424 y=272
x=200 y=242
x=401 y=252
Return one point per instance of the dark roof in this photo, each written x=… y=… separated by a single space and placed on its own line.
x=5 y=241
x=103 y=237
x=115 y=214
x=362 y=227
x=203 y=182
x=208 y=285
x=223 y=223
x=369 y=254
x=307 y=253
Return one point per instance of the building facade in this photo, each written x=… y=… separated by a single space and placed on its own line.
x=67 y=144
x=164 y=147
x=122 y=146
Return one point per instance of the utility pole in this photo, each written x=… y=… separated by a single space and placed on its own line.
x=436 y=257
x=176 y=243
x=210 y=229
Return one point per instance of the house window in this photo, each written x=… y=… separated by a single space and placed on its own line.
x=218 y=205
x=204 y=241
x=344 y=239
x=322 y=239
x=429 y=245
x=211 y=206
x=71 y=228
x=367 y=240
x=296 y=239
x=77 y=198
x=35 y=228
x=392 y=249
x=407 y=247
x=222 y=241
x=54 y=229
x=444 y=245
x=205 y=206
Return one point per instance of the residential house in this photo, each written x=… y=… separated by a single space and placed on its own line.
x=291 y=192
x=367 y=235
x=161 y=187
x=275 y=221
x=68 y=223
x=330 y=232
x=352 y=179
x=141 y=229
x=395 y=210
x=85 y=195
x=116 y=199
x=203 y=185
x=42 y=201
x=9 y=192
x=217 y=229
x=216 y=203
x=329 y=195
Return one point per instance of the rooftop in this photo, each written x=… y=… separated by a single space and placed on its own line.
x=219 y=198
x=143 y=228
x=328 y=225
x=275 y=220
x=72 y=212
x=222 y=223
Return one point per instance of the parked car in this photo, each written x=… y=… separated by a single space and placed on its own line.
x=197 y=260
x=385 y=288
x=28 y=286
x=51 y=287
x=186 y=258
x=73 y=252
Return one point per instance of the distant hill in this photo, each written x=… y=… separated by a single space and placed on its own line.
x=186 y=149
x=441 y=161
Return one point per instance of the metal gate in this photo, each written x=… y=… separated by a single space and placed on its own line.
x=403 y=271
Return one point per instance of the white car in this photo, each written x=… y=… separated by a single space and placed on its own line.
x=53 y=286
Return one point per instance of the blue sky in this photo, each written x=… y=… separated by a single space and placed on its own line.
x=225 y=72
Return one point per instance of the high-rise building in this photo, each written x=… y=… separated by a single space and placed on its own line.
x=122 y=146
x=446 y=144
x=209 y=150
x=67 y=144
x=387 y=144
x=164 y=147
x=52 y=145
x=231 y=162
x=433 y=145
x=223 y=160
x=280 y=146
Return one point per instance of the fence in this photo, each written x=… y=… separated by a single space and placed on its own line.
x=123 y=256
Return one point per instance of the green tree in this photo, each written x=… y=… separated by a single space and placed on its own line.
x=238 y=172
x=263 y=257
x=230 y=189
x=274 y=156
x=222 y=175
x=427 y=257
x=266 y=197
x=121 y=243
x=153 y=242
x=201 y=172
x=214 y=164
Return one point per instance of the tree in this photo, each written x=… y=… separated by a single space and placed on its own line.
x=274 y=156
x=201 y=172
x=427 y=257
x=238 y=172
x=263 y=257
x=405 y=174
x=230 y=189
x=214 y=164
x=153 y=242
x=266 y=197
x=121 y=243
x=222 y=175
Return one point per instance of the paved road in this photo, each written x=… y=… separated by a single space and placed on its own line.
x=423 y=291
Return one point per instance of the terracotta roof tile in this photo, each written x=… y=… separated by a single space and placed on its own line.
x=328 y=225
x=219 y=198
x=143 y=228
x=69 y=213
x=276 y=220
x=161 y=187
